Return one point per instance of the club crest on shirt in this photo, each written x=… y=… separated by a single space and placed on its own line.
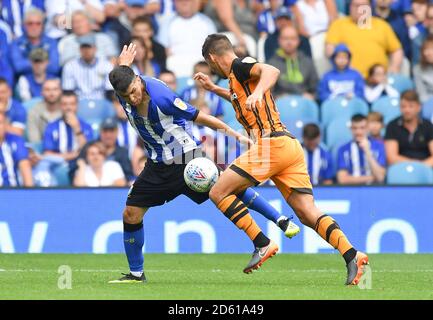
x=180 y=104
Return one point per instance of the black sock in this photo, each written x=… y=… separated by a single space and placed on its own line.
x=349 y=255
x=261 y=240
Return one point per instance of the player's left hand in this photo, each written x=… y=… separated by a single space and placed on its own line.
x=127 y=55
x=254 y=100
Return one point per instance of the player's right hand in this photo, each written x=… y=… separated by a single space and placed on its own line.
x=127 y=55
x=204 y=80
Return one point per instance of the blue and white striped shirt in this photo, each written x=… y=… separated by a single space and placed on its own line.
x=166 y=130
x=126 y=137
x=319 y=164
x=12 y=151
x=89 y=81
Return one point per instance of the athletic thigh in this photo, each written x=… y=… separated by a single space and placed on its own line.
x=229 y=182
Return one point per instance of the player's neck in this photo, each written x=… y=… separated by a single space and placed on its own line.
x=226 y=63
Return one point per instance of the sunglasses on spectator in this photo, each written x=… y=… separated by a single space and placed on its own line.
x=33 y=23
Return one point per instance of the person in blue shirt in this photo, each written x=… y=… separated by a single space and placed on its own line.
x=163 y=122
x=6 y=71
x=317 y=158
x=13 y=12
x=342 y=80
x=362 y=160
x=15 y=168
x=65 y=137
x=15 y=112
x=34 y=37
x=266 y=19
x=197 y=92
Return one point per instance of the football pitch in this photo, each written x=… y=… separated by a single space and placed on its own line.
x=213 y=276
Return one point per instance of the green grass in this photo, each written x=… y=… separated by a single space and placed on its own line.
x=219 y=276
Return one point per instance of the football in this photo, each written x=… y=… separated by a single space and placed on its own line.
x=201 y=174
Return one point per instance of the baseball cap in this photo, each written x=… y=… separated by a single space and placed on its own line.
x=109 y=124
x=38 y=55
x=283 y=12
x=87 y=40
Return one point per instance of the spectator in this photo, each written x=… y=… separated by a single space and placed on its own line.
x=298 y=75
x=138 y=8
x=15 y=112
x=409 y=137
x=423 y=72
x=65 y=137
x=30 y=85
x=342 y=80
x=44 y=112
x=6 y=71
x=362 y=160
x=397 y=22
x=13 y=11
x=113 y=26
x=169 y=78
x=34 y=37
x=370 y=40
x=185 y=33
x=377 y=84
x=69 y=47
x=109 y=134
x=266 y=19
x=314 y=16
x=97 y=171
x=283 y=19
x=420 y=25
x=142 y=28
x=15 y=168
x=317 y=158
x=87 y=75
x=375 y=125
x=198 y=93
x=59 y=15
x=143 y=62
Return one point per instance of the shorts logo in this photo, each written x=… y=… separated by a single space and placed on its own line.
x=180 y=104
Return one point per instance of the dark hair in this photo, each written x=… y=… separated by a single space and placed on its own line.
x=375 y=116
x=121 y=77
x=423 y=61
x=358 y=117
x=216 y=44
x=310 y=131
x=69 y=93
x=4 y=81
x=168 y=71
x=143 y=19
x=410 y=95
x=373 y=68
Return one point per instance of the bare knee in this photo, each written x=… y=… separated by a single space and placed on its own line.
x=133 y=215
x=305 y=209
x=217 y=194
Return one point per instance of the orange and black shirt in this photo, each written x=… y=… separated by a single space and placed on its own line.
x=265 y=118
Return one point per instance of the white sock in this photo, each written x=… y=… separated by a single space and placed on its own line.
x=281 y=218
x=137 y=273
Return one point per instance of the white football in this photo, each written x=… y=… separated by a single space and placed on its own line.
x=201 y=174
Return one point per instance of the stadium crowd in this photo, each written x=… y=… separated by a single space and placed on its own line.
x=356 y=83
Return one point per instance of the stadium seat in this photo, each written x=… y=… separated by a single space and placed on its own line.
x=427 y=110
x=223 y=83
x=249 y=41
x=182 y=83
x=321 y=61
x=388 y=107
x=61 y=175
x=342 y=107
x=338 y=132
x=296 y=108
x=400 y=82
x=229 y=113
x=95 y=111
x=409 y=173
x=31 y=103
x=296 y=126
x=261 y=49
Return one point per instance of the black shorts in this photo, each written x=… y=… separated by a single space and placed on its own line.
x=159 y=183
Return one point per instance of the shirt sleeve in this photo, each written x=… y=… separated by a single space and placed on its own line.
x=21 y=152
x=329 y=171
x=219 y=109
x=390 y=133
x=333 y=36
x=381 y=156
x=341 y=163
x=48 y=141
x=392 y=42
x=87 y=131
x=19 y=117
x=242 y=68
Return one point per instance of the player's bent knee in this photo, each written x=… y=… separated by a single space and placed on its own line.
x=133 y=215
x=216 y=195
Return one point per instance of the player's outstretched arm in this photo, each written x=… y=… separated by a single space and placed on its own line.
x=268 y=76
x=216 y=124
x=208 y=84
x=126 y=57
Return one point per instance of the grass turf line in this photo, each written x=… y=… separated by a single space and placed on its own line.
x=215 y=276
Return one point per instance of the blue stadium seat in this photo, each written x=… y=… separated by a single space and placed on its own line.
x=95 y=111
x=296 y=126
x=400 y=82
x=409 y=173
x=61 y=175
x=388 y=107
x=182 y=83
x=229 y=112
x=338 y=132
x=342 y=107
x=31 y=103
x=297 y=108
x=427 y=110
x=223 y=83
